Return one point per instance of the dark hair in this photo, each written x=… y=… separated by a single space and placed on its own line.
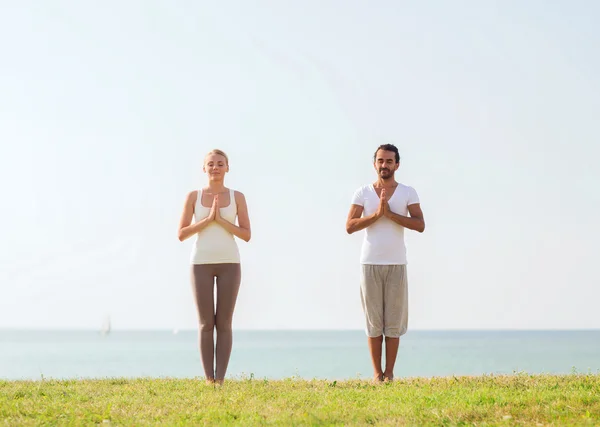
x=387 y=147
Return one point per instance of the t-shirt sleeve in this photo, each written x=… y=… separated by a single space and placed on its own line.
x=413 y=197
x=358 y=198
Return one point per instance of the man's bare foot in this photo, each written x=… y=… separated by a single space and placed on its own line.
x=219 y=382
x=388 y=377
x=210 y=381
x=378 y=378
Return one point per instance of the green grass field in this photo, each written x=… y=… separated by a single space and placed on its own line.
x=518 y=399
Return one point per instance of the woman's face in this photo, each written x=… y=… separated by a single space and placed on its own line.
x=215 y=166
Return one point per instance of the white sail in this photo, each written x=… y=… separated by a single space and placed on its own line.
x=105 y=326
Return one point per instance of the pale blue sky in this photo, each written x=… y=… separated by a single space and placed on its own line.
x=107 y=109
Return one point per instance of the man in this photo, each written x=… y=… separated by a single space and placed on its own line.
x=384 y=208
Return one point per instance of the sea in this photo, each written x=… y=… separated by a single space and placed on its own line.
x=333 y=355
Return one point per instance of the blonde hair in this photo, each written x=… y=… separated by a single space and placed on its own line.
x=219 y=152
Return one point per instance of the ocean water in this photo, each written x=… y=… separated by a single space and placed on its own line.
x=283 y=354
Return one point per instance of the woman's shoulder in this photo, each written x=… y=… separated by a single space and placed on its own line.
x=192 y=196
x=239 y=196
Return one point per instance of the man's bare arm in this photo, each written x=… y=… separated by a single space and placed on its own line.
x=355 y=223
x=415 y=221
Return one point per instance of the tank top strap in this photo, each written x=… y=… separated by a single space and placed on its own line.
x=232 y=198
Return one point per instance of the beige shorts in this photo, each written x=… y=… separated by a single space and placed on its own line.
x=384 y=298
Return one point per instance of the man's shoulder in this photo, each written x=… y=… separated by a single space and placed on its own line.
x=358 y=198
x=406 y=188
x=363 y=190
x=408 y=193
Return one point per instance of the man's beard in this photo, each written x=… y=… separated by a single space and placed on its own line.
x=385 y=173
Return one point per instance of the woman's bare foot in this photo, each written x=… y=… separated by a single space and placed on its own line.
x=210 y=381
x=378 y=378
x=219 y=382
x=388 y=377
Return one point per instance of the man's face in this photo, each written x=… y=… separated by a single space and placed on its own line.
x=385 y=164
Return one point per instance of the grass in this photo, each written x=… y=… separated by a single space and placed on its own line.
x=486 y=400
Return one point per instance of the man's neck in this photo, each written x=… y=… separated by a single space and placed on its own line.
x=385 y=183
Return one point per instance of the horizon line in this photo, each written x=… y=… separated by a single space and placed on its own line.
x=30 y=329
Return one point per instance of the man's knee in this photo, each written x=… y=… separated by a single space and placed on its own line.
x=394 y=332
x=374 y=331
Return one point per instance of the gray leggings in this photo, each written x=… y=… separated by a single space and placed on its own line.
x=228 y=284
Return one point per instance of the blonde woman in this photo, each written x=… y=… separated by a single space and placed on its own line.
x=215 y=259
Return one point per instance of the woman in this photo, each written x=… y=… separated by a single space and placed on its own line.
x=215 y=255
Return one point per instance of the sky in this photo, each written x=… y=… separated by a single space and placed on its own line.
x=108 y=108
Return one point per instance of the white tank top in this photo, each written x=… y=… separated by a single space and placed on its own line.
x=214 y=244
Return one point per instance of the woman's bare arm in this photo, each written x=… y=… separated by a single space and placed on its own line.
x=186 y=228
x=243 y=230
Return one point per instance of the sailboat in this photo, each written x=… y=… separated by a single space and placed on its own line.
x=105 y=330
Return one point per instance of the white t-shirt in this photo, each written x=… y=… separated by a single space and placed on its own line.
x=383 y=243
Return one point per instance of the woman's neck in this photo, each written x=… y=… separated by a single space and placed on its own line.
x=216 y=187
